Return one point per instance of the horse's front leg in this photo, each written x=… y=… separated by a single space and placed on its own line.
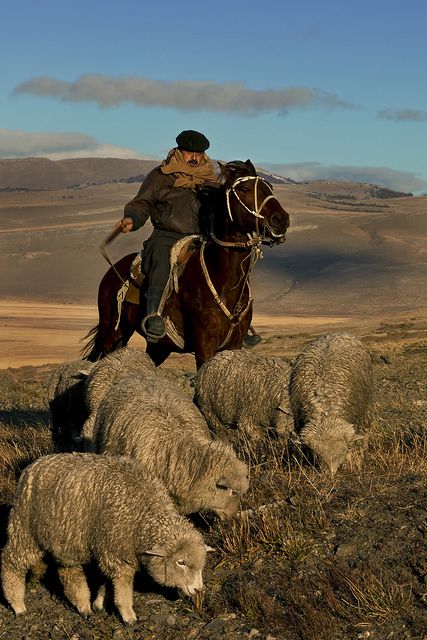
x=158 y=352
x=208 y=339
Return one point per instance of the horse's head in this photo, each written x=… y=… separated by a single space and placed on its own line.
x=251 y=203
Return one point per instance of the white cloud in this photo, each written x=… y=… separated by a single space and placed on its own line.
x=57 y=146
x=403 y=115
x=107 y=91
x=389 y=178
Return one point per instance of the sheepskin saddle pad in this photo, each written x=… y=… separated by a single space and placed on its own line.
x=179 y=256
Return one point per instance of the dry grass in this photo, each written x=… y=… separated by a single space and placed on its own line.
x=311 y=556
x=18 y=447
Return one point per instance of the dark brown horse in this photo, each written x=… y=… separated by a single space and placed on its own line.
x=212 y=308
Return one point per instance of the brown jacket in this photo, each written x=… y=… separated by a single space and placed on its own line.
x=169 y=208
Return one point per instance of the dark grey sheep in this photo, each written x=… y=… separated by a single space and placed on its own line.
x=66 y=398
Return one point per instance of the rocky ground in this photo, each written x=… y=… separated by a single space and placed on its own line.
x=310 y=557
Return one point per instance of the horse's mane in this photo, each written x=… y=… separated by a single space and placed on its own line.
x=212 y=207
x=212 y=198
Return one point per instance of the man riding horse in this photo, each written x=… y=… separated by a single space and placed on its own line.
x=168 y=197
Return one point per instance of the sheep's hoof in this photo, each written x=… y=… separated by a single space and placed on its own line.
x=98 y=606
x=129 y=619
x=19 y=610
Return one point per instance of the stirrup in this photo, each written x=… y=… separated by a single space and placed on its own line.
x=154 y=327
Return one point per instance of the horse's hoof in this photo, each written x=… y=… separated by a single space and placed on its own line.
x=251 y=341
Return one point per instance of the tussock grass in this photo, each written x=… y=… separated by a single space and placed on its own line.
x=311 y=556
x=296 y=516
x=19 y=446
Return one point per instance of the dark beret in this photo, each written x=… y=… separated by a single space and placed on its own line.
x=192 y=141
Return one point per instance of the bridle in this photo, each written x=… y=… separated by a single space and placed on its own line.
x=257 y=210
x=255 y=239
x=257 y=236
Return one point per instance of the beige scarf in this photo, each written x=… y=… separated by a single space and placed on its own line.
x=186 y=175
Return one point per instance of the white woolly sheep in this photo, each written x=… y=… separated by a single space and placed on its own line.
x=245 y=390
x=331 y=389
x=80 y=507
x=159 y=426
x=122 y=363
x=66 y=398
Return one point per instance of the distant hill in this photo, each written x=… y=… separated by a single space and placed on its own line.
x=41 y=173
x=31 y=174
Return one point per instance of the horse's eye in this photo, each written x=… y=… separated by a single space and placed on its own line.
x=243 y=189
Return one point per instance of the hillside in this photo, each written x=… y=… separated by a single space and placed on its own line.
x=347 y=255
x=41 y=173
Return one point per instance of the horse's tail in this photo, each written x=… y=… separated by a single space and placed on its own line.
x=107 y=335
x=91 y=350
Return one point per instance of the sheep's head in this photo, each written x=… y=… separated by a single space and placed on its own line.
x=179 y=565
x=222 y=479
x=330 y=441
x=229 y=489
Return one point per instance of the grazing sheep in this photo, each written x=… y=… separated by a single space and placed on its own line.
x=159 y=426
x=66 y=397
x=331 y=390
x=80 y=507
x=245 y=390
x=123 y=363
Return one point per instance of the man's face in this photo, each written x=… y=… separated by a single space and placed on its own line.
x=192 y=158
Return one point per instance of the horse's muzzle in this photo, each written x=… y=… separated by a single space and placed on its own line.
x=276 y=226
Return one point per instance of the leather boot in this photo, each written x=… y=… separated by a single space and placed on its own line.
x=251 y=339
x=153 y=324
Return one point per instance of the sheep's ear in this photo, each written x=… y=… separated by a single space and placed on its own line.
x=208 y=548
x=284 y=410
x=82 y=373
x=156 y=551
x=223 y=483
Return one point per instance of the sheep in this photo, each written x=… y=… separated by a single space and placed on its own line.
x=80 y=507
x=124 y=362
x=331 y=390
x=159 y=426
x=66 y=398
x=245 y=390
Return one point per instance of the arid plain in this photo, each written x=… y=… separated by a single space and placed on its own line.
x=350 y=261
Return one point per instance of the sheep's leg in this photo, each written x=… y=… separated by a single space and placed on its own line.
x=15 y=565
x=13 y=583
x=76 y=588
x=87 y=432
x=123 y=593
x=98 y=603
x=215 y=424
x=283 y=423
x=249 y=430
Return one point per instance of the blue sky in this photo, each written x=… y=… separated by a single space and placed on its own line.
x=312 y=89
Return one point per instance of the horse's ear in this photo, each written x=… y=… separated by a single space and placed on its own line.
x=251 y=167
x=223 y=170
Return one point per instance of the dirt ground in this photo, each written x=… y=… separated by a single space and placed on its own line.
x=311 y=557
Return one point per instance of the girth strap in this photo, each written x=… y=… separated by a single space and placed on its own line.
x=233 y=317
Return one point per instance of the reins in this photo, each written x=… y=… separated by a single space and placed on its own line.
x=253 y=243
x=103 y=249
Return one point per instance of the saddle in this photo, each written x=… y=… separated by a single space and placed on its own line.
x=130 y=291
